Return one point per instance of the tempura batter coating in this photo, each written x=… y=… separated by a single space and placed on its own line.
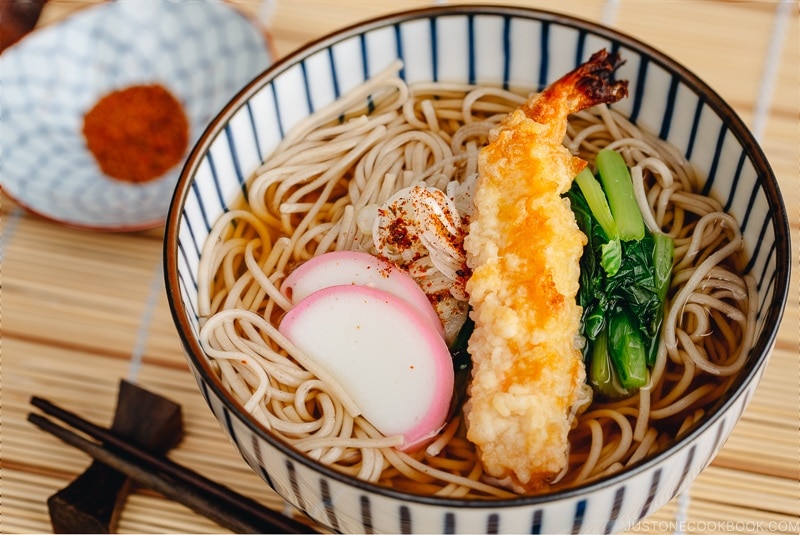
x=524 y=248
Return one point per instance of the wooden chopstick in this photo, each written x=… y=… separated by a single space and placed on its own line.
x=217 y=502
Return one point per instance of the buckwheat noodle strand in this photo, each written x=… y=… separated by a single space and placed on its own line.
x=315 y=195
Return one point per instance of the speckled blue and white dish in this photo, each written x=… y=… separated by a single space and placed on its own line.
x=202 y=52
x=494 y=45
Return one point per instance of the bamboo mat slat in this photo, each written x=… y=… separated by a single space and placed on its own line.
x=138 y=518
x=162 y=343
x=747 y=490
x=81 y=309
x=752 y=26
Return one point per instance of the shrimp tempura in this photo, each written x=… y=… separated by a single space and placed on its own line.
x=524 y=248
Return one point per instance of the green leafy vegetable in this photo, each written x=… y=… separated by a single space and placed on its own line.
x=616 y=179
x=596 y=199
x=663 y=253
x=462 y=365
x=458 y=347
x=623 y=282
x=611 y=257
x=627 y=349
x=602 y=375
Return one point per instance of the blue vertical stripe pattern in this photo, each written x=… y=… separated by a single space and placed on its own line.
x=434 y=48
x=493 y=523
x=229 y=426
x=334 y=76
x=651 y=494
x=669 y=109
x=639 y=88
x=264 y=473
x=506 y=51
x=766 y=274
x=237 y=168
x=471 y=76
x=698 y=112
x=544 y=63
x=735 y=181
x=366 y=515
x=277 y=109
x=615 y=509
x=577 y=519
x=449 y=523
x=406 y=526
x=254 y=134
x=720 y=433
x=400 y=55
x=202 y=206
x=580 y=48
x=686 y=470
x=327 y=503
x=753 y=199
x=294 y=485
x=194 y=243
x=362 y=41
x=748 y=192
x=711 y=175
x=365 y=70
x=536 y=522
x=307 y=87
x=765 y=226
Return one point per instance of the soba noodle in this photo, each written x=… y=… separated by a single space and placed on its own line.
x=320 y=190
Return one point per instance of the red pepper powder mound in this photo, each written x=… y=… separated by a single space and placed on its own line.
x=138 y=133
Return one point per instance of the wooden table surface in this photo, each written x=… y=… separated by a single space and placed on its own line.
x=83 y=309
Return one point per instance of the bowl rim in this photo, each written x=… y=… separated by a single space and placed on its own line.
x=759 y=353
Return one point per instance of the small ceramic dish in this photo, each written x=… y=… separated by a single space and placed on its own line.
x=199 y=53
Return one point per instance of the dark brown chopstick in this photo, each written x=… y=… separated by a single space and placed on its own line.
x=217 y=502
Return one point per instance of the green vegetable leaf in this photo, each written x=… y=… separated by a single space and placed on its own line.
x=611 y=257
x=623 y=287
x=602 y=375
x=597 y=202
x=627 y=350
x=617 y=184
x=459 y=346
x=462 y=365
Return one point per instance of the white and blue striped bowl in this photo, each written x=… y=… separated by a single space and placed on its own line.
x=495 y=45
x=203 y=52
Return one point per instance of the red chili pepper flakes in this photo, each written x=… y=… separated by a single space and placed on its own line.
x=138 y=133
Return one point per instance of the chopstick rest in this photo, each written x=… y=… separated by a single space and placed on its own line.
x=93 y=501
x=157 y=472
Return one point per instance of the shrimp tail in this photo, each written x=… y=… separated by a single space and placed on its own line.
x=588 y=85
x=595 y=84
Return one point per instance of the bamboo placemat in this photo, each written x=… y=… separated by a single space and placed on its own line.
x=81 y=310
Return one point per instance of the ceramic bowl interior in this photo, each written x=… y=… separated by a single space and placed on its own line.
x=201 y=52
x=481 y=45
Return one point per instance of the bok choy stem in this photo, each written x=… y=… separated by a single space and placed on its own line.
x=596 y=199
x=602 y=376
x=627 y=350
x=616 y=179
